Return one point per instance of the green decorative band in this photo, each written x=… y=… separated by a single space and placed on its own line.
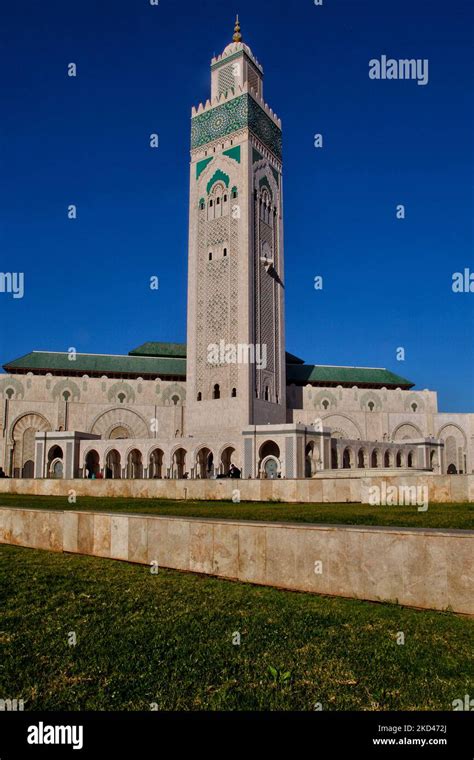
x=233 y=153
x=256 y=156
x=226 y=60
x=218 y=176
x=239 y=113
x=201 y=165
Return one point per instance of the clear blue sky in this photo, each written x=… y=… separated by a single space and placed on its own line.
x=84 y=140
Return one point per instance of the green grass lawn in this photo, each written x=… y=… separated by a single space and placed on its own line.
x=167 y=639
x=460 y=515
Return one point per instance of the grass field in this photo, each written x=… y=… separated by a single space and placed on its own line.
x=168 y=639
x=459 y=515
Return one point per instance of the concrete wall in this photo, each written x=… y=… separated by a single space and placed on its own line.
x=340 y=488
x=421 y=568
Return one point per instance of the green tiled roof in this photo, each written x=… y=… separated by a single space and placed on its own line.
x=103 y=364
x=169 y=360
x=179 y=350
x=160 y=349
x=375 y=377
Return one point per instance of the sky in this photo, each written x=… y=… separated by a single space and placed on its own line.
x=84 y=140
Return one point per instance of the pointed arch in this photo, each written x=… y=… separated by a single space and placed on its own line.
x=105 y=422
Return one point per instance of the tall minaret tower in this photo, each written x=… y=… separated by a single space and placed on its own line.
x=235 y=276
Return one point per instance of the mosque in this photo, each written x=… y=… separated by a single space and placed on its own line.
x=232 y=394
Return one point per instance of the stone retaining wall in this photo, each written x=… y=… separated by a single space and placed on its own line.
x=441 y=488
x=421 y=568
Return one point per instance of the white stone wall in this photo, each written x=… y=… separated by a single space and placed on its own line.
x=32 y=403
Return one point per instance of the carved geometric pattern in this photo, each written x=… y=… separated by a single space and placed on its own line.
x=117 y=417
x=217 y=315
x=226 y=79
x=372 y=399
x=174 y=389
x=23 y=435
x=217 y=231
x=28 y=452
x=321 y=396
x=32 y=420
x=267 y=306
x=14 y=384
x=267 y=316
x=216 y=299
x=413 y=399
x=406 y=432
x=454 y=431
x=119 y=432
x=253 y=79
x=122 y=392
x=339 y=423
x=67 y=385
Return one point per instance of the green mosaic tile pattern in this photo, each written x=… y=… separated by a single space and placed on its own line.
x=233 y=153
x=201 y=165
x=239 y=113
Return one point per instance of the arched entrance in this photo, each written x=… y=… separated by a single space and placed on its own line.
x=226 y=459
x=23 y=434
x=410 y=459
x=155 y=465
x=361 y=459
x=399 y=460
x=375 y=458
x=269 y=460
x=92 y=464
x=55 y=462
x=311 y=459
x=28 y=469
x=179 y=463
x=452 y=469
x=346 y=458
x=204 y=463
x=134 y=464
x=113 y=468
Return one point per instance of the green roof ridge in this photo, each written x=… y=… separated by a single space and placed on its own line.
x=169 y=359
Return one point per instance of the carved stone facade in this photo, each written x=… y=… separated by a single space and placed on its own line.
x=169 y=410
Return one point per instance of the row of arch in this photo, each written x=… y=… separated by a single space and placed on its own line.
x=20 y=461
x=181 y=464
x=362 y=458
x=136 y=463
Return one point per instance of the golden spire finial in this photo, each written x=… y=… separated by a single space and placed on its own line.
x=237 y=36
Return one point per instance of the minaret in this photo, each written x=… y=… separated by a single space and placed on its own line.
x=235 y=275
